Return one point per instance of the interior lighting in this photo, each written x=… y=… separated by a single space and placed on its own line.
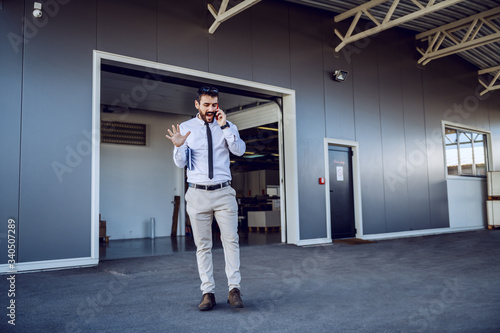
x=268 y=128
x=253 y=156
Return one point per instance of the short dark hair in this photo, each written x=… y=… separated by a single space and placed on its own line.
x=206 y=90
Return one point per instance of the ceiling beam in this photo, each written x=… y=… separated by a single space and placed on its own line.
x=386 y=23
x=491 y=86
x=489 y=70
x=223 y=15
x=460 y=36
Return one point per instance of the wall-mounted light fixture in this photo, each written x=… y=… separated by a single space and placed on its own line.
x=340 y=75
x=37 y=10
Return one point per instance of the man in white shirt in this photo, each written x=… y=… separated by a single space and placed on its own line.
x=210 y=192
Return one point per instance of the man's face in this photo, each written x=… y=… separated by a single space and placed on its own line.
x=207 y=107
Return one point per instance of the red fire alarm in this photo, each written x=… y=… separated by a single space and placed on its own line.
x=322 y=181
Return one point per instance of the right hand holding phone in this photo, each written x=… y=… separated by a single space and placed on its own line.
x=220 y=116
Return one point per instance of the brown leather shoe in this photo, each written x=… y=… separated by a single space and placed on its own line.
x=234 y=298
x=207 y=302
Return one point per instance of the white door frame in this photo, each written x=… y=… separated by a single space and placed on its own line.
x=291 y=205
x=356 y=183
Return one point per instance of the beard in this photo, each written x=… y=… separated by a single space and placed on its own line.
x=204 y=118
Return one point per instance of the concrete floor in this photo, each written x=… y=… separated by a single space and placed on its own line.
x=445 y=283
x=145 y=247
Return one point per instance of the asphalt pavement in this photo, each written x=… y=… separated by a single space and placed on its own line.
x=443 y=283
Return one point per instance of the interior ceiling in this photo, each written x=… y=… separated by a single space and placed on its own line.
x=125 y=86
x=482 y=57
x=119 y=91
x=262 y=149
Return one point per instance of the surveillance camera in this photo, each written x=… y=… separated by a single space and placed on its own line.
x=37 y=13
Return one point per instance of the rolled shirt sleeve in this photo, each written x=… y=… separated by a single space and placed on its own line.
x=234 y=142
x=180 y=158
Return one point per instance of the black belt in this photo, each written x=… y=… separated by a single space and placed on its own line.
x=210 y=187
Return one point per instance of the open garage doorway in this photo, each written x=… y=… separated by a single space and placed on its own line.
x=134 y=197
x=258 y=173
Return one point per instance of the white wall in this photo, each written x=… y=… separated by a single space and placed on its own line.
x=139 y=182
x=467 y=202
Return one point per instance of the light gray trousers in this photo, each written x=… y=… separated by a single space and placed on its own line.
x=201 y=206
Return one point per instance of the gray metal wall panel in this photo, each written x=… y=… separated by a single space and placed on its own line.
x=339 y=104
x=440 y=93
x=307 y=79
x=230 y=49
x=11 y=50
x=182 y=34
x=493 y=104
x=368 y=134
x=413 y=167
x=476 y=104
x=54 y=216
x=128 y=27
x=392 y=130
x=271 y=44
x=466 y=105
x=482 y=117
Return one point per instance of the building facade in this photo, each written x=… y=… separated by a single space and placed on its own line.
x=390 y=114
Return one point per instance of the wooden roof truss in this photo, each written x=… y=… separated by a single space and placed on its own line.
x=468 y=33
x=389 y=21
x=223 y=14
x=494 y=83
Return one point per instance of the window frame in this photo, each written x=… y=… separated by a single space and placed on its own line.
x=460 y=128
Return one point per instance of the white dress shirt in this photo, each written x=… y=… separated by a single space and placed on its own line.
x=224 y=141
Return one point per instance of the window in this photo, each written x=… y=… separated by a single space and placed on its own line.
x=465 y=152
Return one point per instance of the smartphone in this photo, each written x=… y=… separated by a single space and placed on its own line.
x=217 y=112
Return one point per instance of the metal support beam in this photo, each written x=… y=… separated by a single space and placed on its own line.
x=386 y=23
x=465 y=34
x=223 y=15
x=495 y=71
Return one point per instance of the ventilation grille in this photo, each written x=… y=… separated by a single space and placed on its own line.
x=123 y=133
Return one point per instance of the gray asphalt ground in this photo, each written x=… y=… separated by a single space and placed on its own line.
x=444 y=283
